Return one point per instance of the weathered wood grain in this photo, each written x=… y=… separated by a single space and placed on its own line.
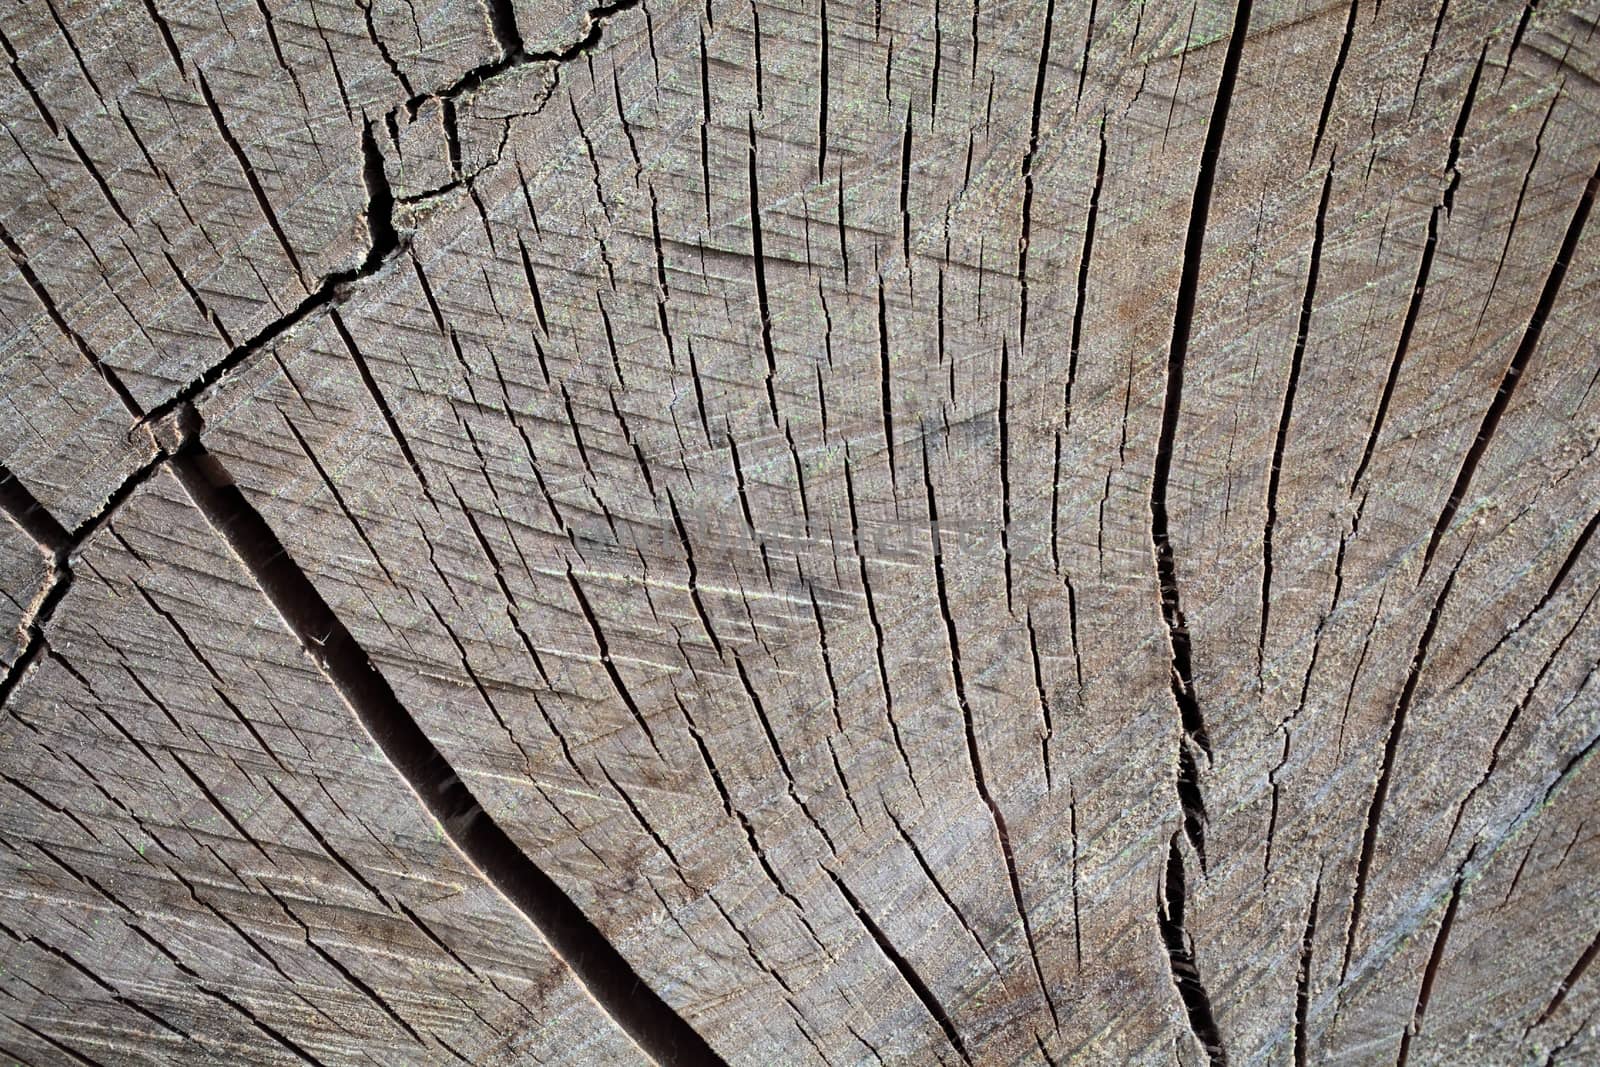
x=799 y=533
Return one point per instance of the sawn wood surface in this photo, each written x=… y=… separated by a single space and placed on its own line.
x=799 y=532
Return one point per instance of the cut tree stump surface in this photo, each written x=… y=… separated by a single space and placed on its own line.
x=799 y=533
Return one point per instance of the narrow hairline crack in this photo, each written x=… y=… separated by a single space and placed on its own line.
x=59 y=545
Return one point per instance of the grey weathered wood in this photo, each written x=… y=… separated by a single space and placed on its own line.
x=1041 y=533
